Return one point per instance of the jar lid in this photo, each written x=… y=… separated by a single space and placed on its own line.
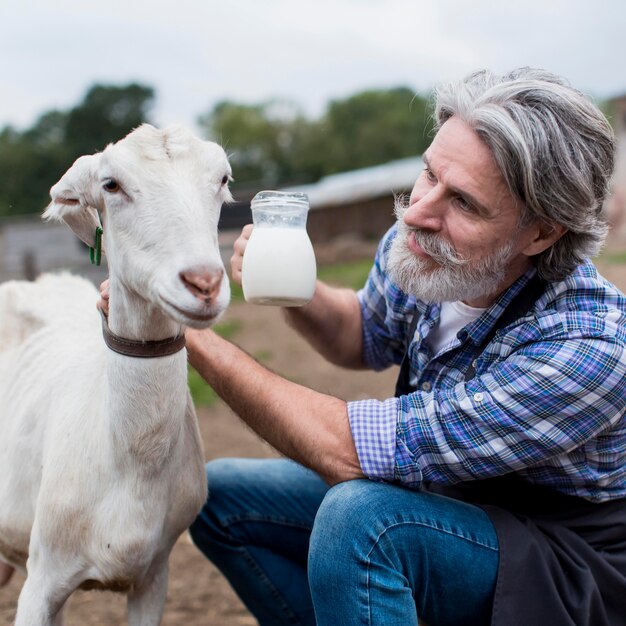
x=284 y=198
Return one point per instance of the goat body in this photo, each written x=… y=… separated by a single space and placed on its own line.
x=100 y=457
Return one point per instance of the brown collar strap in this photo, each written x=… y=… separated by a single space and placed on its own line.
x=140 y=349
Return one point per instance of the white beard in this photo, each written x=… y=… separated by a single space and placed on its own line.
x=454 y=278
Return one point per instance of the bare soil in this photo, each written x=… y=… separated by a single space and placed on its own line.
x=198 y=594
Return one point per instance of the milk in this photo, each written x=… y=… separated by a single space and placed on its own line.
x=279 y=267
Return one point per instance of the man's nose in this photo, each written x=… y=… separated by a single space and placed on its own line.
x=426 y=209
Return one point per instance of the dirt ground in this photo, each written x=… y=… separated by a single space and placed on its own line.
x=198 y=594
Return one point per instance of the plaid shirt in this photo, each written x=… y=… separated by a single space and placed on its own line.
x=547 y=400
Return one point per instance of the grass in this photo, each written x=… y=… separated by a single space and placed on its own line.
x=616 y=257
x=236 y=292
x=352 y=274
x=202 y=394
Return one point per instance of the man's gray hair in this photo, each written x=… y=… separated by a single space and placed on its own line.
x=554 y=148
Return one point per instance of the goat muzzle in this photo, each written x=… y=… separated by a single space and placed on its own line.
x=203 y=285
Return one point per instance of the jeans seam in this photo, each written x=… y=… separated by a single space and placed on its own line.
x=229 y=521
x=293 y=618
x=434 y=527
x=412 y=523
x=226 y=523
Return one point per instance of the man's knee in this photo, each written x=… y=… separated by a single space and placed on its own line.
x=343 y=508
x=343 y=526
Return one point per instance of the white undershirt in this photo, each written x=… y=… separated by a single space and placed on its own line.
x=453 y=317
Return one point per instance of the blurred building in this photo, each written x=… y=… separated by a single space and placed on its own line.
x=358 y=203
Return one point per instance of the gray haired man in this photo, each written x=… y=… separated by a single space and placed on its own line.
x=492 y=487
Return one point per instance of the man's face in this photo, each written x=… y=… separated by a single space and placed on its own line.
x=459 y=238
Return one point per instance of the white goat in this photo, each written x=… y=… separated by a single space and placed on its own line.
x=101 y=463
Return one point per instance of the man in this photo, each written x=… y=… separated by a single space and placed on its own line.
x=493 y=485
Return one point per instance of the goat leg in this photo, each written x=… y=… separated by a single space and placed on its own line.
x=146 y=603
x=39 y=605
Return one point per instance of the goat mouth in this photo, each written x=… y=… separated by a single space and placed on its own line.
x=196 y=317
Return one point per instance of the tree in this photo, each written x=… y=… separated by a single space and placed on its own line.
x=273 y=143
x=259 y=138
x=106 y=114
x=375 y=127
x=33 y=160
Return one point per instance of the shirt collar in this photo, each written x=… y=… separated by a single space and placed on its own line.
x=478 y=329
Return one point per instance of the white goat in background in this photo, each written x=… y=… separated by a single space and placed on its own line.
x=101 y=462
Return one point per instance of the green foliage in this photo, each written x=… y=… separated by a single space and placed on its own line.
x=263 y=356
x=260 y=138
x=236 y=292
x=352 y=274
x=615 y=257
x=33 y=160
x=203 y=394
x=228 y=329
x=105 y=115
x=270 y=143
x=273 y=142
x=374 y=127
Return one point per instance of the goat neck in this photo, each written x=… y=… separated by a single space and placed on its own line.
x=133 y=317
x=146 y=398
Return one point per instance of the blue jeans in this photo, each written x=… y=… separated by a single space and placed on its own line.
x=362 y=552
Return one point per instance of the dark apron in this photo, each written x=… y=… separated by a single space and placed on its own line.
x=562 y=558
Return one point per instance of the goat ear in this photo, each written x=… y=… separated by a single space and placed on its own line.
x=75 y=198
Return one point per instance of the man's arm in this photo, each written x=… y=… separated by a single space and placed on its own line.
x=331 y=322
x=305 y=425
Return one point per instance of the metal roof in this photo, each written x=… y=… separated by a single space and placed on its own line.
x=363 y=184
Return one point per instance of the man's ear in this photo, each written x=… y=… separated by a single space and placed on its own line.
x=545 y=234
x=75 y=198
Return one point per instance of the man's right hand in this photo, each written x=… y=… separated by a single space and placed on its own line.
x=103 y=303
x=239 y=247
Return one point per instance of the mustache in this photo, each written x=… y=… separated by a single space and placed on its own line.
x=435 y=246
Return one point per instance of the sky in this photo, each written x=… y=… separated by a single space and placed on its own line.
x=196 y=53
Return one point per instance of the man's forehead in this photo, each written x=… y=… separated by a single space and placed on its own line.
x=464 y=162
x=457 y=147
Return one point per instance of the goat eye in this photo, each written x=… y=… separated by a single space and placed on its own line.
x=224 y=180
x=111 y=185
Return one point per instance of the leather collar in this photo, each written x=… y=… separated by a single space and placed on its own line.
x=140 y=349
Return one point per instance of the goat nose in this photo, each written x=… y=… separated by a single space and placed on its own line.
x=203 y=284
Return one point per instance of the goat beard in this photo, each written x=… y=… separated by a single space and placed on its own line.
x=454 y=277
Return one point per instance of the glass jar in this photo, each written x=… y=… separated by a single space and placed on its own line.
x=279 y=263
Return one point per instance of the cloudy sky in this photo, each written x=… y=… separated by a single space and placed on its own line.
x=197 y=52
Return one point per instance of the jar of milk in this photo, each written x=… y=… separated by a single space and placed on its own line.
x=278 y=262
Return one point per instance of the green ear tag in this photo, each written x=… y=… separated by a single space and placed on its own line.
x=95 y=253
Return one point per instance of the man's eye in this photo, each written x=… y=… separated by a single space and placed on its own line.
x=429 y=175
x=464 y=205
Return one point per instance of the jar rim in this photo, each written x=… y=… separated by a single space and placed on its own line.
x=286 y=198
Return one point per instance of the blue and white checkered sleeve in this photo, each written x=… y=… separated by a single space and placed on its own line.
x=374 y=430
x=373 y=425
